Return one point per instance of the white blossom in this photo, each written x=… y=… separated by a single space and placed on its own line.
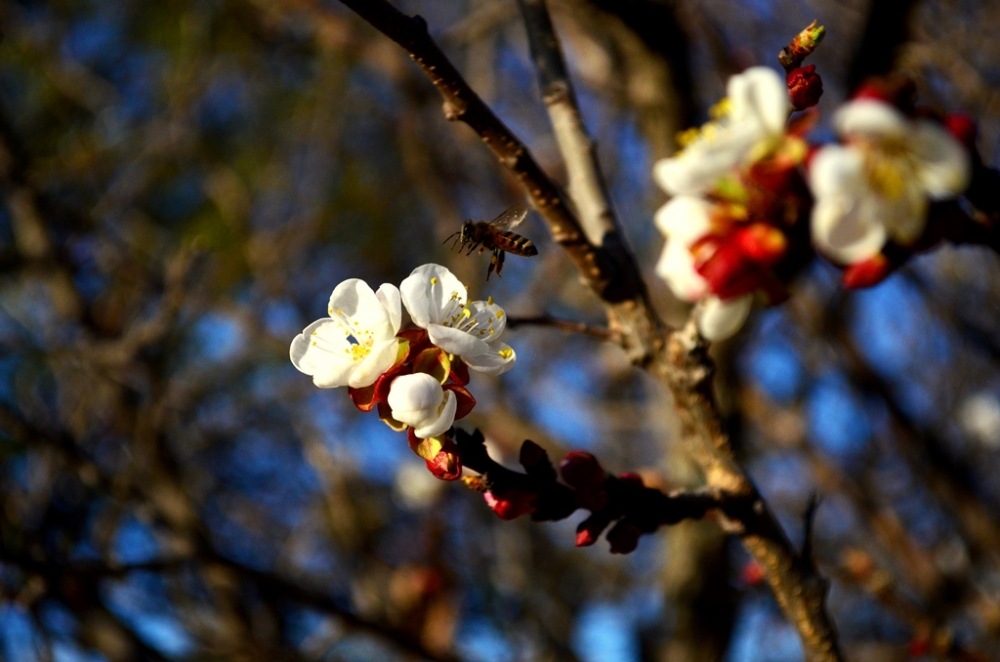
x=877 y=187
x=357 y=343
x=419 y=401
x=436 y=301
x=753 y=122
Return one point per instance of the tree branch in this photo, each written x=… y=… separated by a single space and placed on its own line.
x=586 y=183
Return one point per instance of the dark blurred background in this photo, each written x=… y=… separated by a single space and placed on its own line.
x=184 y=183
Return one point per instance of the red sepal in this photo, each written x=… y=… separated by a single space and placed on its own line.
x=867 y=273
x=964 y=128
x=761 y=242
x=465 y=401
x=417 y=338
x=363 y=398
x=433 y=361
x=459 y=372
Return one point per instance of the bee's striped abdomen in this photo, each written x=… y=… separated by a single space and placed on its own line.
x=516 y=244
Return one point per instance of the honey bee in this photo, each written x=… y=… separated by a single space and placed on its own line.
x=495 y=236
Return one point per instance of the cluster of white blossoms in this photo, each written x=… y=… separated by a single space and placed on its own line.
x=360 y=344
x=873 y=188
x=750 y=126
x=878 y=184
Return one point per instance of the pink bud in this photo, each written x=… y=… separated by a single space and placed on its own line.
x=514 y=503
x=805 y=87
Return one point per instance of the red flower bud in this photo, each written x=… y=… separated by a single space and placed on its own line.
x=805 y=87
x=514 y=503
x=624 y=537
x=589 y=530
x=446 y=465
x=585 y=537
x=581 y=470
x=867 y=273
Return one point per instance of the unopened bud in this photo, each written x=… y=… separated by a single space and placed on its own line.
x=805 y=87
x=514 y=503
x=624 y=537
x=590 y=530
x=801 y=46
x=446 y=465
x=581 y=470
x=866 y=273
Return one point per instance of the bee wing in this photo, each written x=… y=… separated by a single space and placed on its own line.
x=509 y=218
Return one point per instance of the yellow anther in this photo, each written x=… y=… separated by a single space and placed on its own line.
x=688 y=136
x=466 y=313
x=500 y=314
x=506 y=353
x=434 y=280
x=489 y=301
x=721 y=109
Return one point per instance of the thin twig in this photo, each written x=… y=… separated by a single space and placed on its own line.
x=563 y=325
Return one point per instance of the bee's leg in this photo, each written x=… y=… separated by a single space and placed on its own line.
x=498 y=258
x=492 y=267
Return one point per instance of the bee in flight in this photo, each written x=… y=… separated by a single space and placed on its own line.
x=495 y=236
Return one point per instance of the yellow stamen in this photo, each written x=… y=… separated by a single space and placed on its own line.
x=434 y=280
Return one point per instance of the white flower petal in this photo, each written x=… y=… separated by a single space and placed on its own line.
x=323 y=352
x=676 y=268
x=684 y=218
x=429 y=292
x=498 y=359
x=871 y=119
x=846 y=224
x=419 y=401
x=719 y=319
x=844 y=230
x=759 y=95
x=445 y=418
x=943 y=164
x=697 y=169
x=455 y=341
x=354 y=305
x=388 y=295
x=380 y=358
